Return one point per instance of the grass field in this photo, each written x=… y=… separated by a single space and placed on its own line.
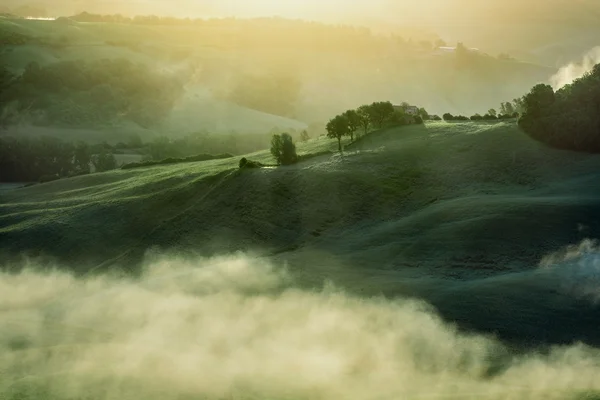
x=422 y=186
x=311 y=270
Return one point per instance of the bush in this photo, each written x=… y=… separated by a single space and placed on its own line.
x=435 y=118
x=245 y=163
x=448 y=117
x=418 y=120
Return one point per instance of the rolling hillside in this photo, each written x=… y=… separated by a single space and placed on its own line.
x=460 y=215
x=450 y=196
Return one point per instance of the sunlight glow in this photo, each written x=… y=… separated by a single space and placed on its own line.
x=290 y=8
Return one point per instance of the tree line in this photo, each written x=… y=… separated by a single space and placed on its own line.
x=351 y=123
x=80 y=93
x=568 y=118
x=47 y=158
x=367 y=117
x=508 y=110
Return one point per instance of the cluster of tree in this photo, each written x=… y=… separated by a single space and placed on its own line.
x=79 y=93
x=368 y=117
x=491 y=115
x=44 y=158
x=568 y=118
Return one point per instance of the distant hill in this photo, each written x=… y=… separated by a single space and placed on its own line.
x=324 y=74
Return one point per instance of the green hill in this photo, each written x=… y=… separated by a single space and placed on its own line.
x=457 y=214
x=448 y=195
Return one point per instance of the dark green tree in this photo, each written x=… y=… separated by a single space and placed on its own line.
x=539 y=99
x=379 y=112
x=364 y=116
x=283 y=149
x=337 y=128
x=354 y=122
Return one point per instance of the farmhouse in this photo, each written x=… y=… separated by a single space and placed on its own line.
x=409 y=110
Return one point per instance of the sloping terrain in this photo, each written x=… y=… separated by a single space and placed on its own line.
x=457 y=214
x=461 y=197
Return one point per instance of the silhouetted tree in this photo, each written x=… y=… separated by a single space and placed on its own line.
x=283 y=149
x=365 y=118
x=492 y=112
x=379 y=112
x=539 y=99
x=337 y=128
x=354 y=122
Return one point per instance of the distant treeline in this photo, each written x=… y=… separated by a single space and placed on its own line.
x=27 y=159
x=508 y=110
x=80 y=93
x=568 y=118
x=47 y=158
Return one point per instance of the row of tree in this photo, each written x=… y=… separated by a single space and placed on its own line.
x=368 y=117
x=568 y=118
x=490 y=116
x=47 y=158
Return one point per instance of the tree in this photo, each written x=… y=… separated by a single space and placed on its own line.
x=337 y=128
x=364 y=117
x=539 y=99
x=507 y=108
x=423 y=113
x=379 y=112
x=354 y=122
x=104 y=161
x=518 y=105
x=283 y=149
x=492 y=112
x=448 y=117
x=82 y=157
x=304 y=136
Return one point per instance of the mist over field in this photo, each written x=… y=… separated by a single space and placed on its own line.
x=237 y=327
x=299 y=199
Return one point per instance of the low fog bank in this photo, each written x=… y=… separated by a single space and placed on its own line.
x=236 y=327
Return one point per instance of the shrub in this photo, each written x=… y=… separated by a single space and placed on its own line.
x=448 y=117
x=245 y=163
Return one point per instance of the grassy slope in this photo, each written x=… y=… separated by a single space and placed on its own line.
x=466 y=197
